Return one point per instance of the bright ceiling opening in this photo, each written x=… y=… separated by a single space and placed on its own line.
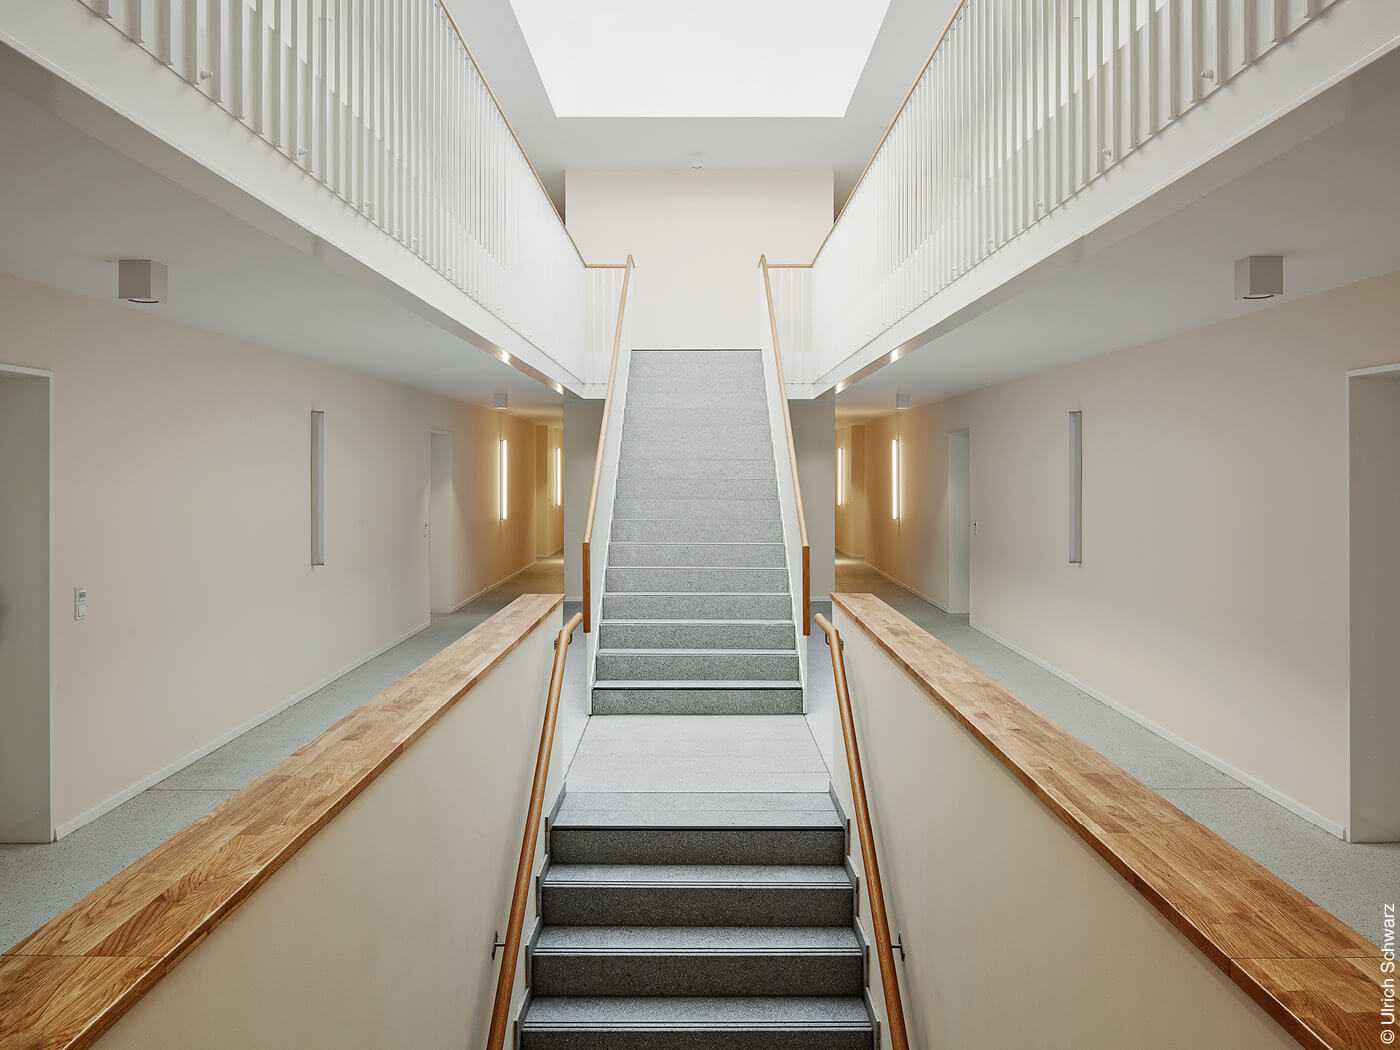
x=700 y=58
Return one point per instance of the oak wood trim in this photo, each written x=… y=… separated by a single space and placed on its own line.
x=1316 y=976
x=598 y=460
x=528 y=163
x=505 y=981
x=879 y=919
x=792 y=454
x=67 y=983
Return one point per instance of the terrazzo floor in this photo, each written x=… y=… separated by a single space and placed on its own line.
x=1351 y=880
x=37 y=882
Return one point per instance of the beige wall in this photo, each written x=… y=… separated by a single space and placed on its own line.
x=851 y=515
x=696 y=237
x=181 y=500
x=549 y=516
x=1212 y=601
x=583 y=421
x=991 y=890
x=377 y=933
x=24 y=608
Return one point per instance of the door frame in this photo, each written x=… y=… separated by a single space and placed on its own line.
x=47 y=375
x=1354 y=373
x=961 y=432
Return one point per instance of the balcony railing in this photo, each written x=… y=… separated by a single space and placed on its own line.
x=1023 y=105
x=381 y=102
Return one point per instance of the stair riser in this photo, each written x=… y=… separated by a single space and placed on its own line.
x=678 y=530
x=673 y=362
x=640 y=412
x=692 y=396
x=696 y=906
x=719 y=434
x=696 y=488
x=639 y=466
x=718 y=555
x=680 y=580
x=697 y=510
x=697 y=667
x=700 y=974
x=693 y=1039
x=696 y=636
x=580 y=845
x=697 y=607
x=644 y=701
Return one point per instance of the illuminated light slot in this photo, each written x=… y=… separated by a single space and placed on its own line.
x=505 y=491
x=559 y=476
x=894 y=478
x=840 y=476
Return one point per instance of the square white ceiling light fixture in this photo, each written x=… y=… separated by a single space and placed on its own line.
x=700 y=58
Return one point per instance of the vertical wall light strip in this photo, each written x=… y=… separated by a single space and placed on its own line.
x=1076 y=488
x=505 y=489
x=840 y=476
x=894 y=478
x=559 y=475
x=318 y=488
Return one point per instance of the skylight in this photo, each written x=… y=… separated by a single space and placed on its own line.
x=700 y=58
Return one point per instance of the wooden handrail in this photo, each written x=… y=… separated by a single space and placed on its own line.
x=598 y=461
x=792 y=455
x=505 y=983
x=894 y=1008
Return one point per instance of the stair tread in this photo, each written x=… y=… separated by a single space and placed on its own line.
x=694 y=683
x=734 y=621
x=718 y=801
x=741 y=875
x=700 y=652
x=662 y=1012
x=696 y=940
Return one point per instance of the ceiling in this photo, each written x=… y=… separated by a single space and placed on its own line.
x=1327 y=206
x=842 y=144
x=793 y=58
x=70 y=206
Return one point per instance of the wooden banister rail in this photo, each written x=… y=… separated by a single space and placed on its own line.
x=505 y=982
x=598 y=461
x=889 y=979
x=764 y=265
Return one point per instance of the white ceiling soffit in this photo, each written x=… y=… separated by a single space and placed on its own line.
x=700 y=58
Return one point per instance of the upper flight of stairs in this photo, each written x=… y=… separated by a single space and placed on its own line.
x=697 y=612
x=697 y=922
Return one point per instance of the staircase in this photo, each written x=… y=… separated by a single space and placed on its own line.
x=697 y=614
x=697 y=922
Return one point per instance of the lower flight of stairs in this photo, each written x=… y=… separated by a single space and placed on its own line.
x=697 y=922
x=697 y=613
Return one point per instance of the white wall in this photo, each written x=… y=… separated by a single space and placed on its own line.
x=1374 y=487
x=181 y=500
x=24 y=608
x=377 y=934
x=814 y=440
x=697 y=236
x=1212 y=601
x=988 y=886
x=583 y=421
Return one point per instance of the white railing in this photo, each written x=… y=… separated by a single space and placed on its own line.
x=792 y=319
x=381 y=102
x=603 y=297
x=1022 y=106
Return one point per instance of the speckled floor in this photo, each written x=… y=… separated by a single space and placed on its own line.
x=1351 y=880
x=39 y=882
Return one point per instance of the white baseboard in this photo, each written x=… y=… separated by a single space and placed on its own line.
x=904 y=586
x=127 y=794
x=1292 y=805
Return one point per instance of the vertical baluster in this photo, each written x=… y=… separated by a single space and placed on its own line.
x=256 y=67
x=237 y=19
x=1222 y=42
x=1153 y=73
